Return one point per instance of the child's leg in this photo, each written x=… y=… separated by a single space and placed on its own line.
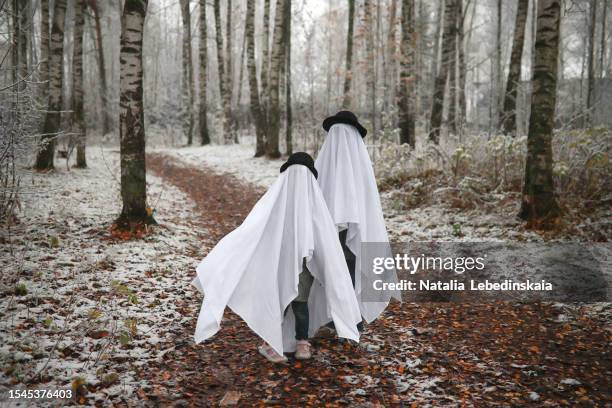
x=300 y=310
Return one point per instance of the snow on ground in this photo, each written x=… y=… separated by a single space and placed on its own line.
x=435 y=222
x=235 y=159
x=77 y=306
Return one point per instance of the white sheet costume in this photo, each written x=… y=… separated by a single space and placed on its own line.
x=254 y=269
x=348 y=184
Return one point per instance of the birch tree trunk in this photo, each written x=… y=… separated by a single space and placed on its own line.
x=131 y=119
x=289 y=130
x=272 y=150
x=78 y=122
x=204 y=136
x=390 y=73
x=188 y=80
x=370 y=62
x=539 y=203
x=51 y=127
x=224 y=89
x=440 y=82
x=255 y=105
x=44 y=50
x=349 y=56
x=407 y=82
x=508 y=115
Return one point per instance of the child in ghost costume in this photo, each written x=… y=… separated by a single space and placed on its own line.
x=348 y=184
x=285 y=253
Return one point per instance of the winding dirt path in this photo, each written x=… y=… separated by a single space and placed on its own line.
x=416 y=354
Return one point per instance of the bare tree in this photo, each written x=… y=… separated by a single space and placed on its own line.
x=349 y=55
x=51 y=127
x=591 y=62
x=131 y=119
x=204 y=136
x=273 y=122
x=106 y=119
x=44 y=49
x=508 y=115
x=188 y=80
x=78 y=122
x=538 y=200
x=287 y=40
x=255 y=103
x=407 y=75
x=447 y=50
x=224 y=89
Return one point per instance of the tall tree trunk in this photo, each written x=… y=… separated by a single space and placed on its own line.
x=452 y=74
x=265 y=55
x=289 y=130
x=349 y=56
x=224 y=89
x=539 y=203
x=508 y=115
x=44 y=159
x=591 y=63
x=78 y=122
x=131 y=119
x=106 y=119
x=255 y=105
x=447 y=50
x=602 y=41
x=407 y=75
x=272 y=150
x=230 y=71
x=188 y=80
x=22 y=39
x=44 y=49
x=370 y=62
x=497 y=74
x=461 y=15
x=204 y=136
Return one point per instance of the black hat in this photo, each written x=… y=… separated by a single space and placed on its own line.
x=346 y=117
x=300 y=158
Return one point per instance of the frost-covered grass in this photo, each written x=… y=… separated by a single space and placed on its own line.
x=76 y=306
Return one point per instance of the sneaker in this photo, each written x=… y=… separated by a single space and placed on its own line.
x=303 y=351
x=271 y=355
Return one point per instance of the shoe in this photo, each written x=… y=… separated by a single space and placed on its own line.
x=271 y=355
x=303 y=351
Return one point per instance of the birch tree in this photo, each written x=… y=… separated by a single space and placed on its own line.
x=131 y=118
x=188 y=80
x=539 y=203
x=203 y=49
x=508 y=115
x=273 y=122
x=591 y=62
x=407 y=66
x=51 y=127
x=78 y=123
x=442 y=75
x=349 y=55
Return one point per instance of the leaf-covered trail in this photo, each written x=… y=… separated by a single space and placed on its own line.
x=425 y=354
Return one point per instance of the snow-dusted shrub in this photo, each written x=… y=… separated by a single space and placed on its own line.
x=469 y=173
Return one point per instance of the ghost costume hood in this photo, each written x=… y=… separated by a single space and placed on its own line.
x=348 y=184
x=254 y=269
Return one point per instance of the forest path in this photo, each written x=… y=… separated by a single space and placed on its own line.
x=443 y=354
